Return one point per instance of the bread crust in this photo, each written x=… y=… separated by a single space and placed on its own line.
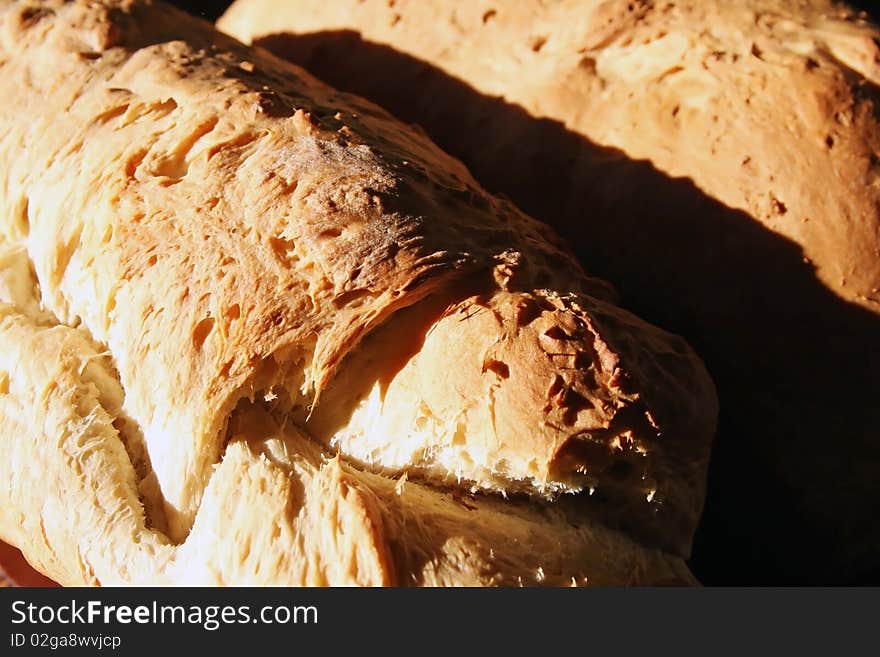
x=728 y=152
x=212 y=235
x=703 y=90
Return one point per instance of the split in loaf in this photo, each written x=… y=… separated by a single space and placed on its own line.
x=240 y=308
x=728 y=153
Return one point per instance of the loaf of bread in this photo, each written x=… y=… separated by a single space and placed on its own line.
x=255 y=330
x=719 y=160
x=691 y=86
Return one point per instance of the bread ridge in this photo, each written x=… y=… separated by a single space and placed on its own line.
x=229 y=229
x=582 y=62
x=319 y=521
x=728 y=151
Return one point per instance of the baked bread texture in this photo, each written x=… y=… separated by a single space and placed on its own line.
x=729 y=154
x=690 y=86
x=255 y=330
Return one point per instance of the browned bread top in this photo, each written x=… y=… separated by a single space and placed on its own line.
x=727 y=151
x=217 y=250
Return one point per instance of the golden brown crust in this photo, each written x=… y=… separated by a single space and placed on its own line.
x=704 y=90
x=728 y=152
x=228 y=230
x=276 y=510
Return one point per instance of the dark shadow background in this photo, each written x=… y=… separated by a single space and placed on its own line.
x=208 y=9
x=796 y=464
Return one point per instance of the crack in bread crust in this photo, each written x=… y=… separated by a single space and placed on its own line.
x=19 y=289
x=227 y=226
x=729 y=152
x=320 y=521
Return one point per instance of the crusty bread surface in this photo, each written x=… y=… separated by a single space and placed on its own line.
x=728 y=153
x=258 y=331
x=714 y=91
